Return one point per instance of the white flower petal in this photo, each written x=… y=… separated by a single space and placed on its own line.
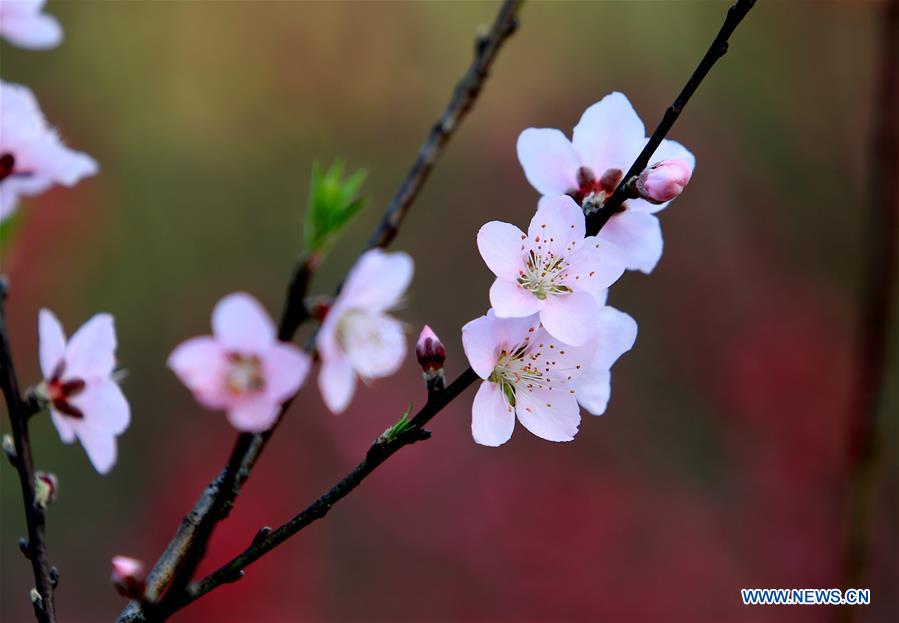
x=551 y=415
x=510 y=300
x=104 y=406
x=285 y=369
x=492 y=419
x=616 y=333
x=91 y=351
x=557 y=227
x=52 y=342
x=63 y=425
x=503 y=249
x=337 y=383
x=638 y=236
x=595 y=266
x=200 y=364
x=100 y=446
x=241 y=324
x=377 y=282
x=570 y=318
x=593 y=389
x=374 y=343
x=609 y=135
x=549 y=160
x=254 y=414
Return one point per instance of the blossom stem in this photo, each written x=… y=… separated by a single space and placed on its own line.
x=177 y=564
x=35 y=549
x=735 y=14
x=881 y=242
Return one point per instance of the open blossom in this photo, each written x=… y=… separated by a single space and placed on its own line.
x=606 y=141
x=241 y=368
x=23 y=23
x=358 y=337
x=553 y=270
x=32 y=156
x=85 y=401
x=616 y=333
x=527 y=373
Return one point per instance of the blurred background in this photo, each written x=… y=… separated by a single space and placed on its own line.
x=720 y=463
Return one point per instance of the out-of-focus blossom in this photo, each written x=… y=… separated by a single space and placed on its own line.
x=358 y=337
x=527 y=373
x=553 y=270
x=128 y=576
x=242 y=368
x=616 y=333
x=23 y=23
x=32 y=156
x=606 y=141
x=664 y=180
x=85 y=401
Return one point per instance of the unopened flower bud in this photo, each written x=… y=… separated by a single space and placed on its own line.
x=128 y=577
x=9 y=449
x=46 y=488
x=664 y=180
x=431 y=355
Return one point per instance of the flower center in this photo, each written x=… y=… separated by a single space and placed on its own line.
x=244 y=374
x=59 y=392
x=517 y=369
x=544 y=274
x=592 y=190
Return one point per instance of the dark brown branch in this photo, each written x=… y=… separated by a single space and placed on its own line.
x=736 y=13
x=881 y=244
x=178 y=563
x=35 y=549
x=380 y=451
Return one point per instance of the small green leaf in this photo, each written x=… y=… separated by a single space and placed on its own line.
x=333 y=201
x=400 y=427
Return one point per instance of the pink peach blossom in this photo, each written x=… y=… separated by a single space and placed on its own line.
x=22 y=23
x=605 y=143
x=358 y=337
x=85 y=401
x=32 y=156
x=664 y=180
x=527 y=373
x=242 y=368
x=553 y=271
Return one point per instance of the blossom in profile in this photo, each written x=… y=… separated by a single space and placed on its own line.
x=616 y=333
x=23 y=23
x=553 y=270
x=241 y=368
x=526 y=374
x=85 y=400
x=664 y=180
x=32 y=156
x=358 y=337
x=606 y=141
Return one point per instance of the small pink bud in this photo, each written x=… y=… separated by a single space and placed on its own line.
x=664 y=180
x=429 y=350
x=128 y=577
x=46 y=488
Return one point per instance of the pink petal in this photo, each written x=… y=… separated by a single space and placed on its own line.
x=200 y=364
x=63 y=426
x=616 y=333
x=609 y=134
x=551 y=415
x=560 y=362
x=549 y=160
x=22 y=24
x=104 y=406
x=593 y=389
x=285 y=369
x=100 y=447
x=502 y=247
x=557 y=226
x=481 y=341
x=52 y=342
x=638 y=236
x=492 y=419
x=241 y=324
x=375 y=344
x=91 y=351
x=14 y=187
x=378 y=281
x=595 y=266
x=570 y=318
x=254 y=414
x=510 y=300
x=337 y=383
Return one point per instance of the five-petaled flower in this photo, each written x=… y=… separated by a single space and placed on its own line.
x=553 y=270
x=605 y=143
x=242 y=368
x=32 y=157
x=85 y=401
x=358 y=337
x=527 y=373
x=23 y=24
x=616 y=333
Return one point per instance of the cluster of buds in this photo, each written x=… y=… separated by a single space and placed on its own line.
x=431 y=355
x=128 y=577
x=664 y=181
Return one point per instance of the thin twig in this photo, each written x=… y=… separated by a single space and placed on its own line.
x=380 y=451
x=35 y=549
x=881 y=243
x=178 y=562
x=735 y=14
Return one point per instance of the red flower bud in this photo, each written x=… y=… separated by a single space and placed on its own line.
x=128 y=577
x=429 y=350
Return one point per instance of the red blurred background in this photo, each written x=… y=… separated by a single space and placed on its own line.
x=721 y=461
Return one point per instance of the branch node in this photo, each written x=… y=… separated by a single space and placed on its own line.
x=263 y=533
x=25 y=547
x=54 y=577
x=9 y=449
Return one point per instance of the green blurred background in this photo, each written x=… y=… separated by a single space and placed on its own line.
x=721 y=461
